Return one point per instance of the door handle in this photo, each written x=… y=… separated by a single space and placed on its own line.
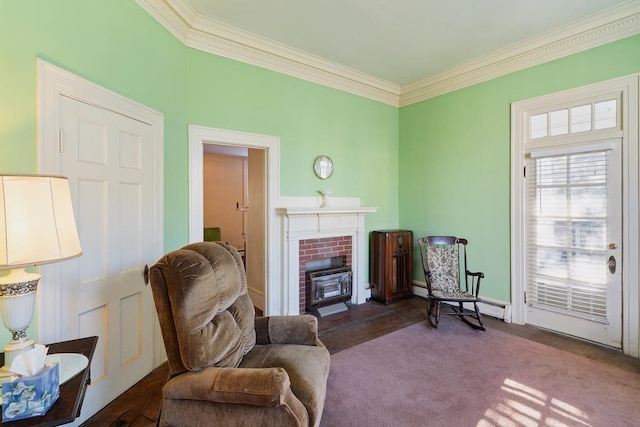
x=612 y=264
x=145 y=274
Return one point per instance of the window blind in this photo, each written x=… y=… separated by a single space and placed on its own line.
x=567 y=233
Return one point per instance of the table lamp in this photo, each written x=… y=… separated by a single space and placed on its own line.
x=37 y=226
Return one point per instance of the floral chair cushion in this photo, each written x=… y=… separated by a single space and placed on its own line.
x=444 y=267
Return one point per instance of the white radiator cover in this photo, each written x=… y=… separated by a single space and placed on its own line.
x=489 y=306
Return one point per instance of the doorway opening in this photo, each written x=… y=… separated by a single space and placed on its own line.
x=261 y=224
x=233 y=207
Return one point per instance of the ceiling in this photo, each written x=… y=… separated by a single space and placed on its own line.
x=392 y=46
x=401 y=41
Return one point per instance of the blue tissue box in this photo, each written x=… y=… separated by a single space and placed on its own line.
x=29 y=397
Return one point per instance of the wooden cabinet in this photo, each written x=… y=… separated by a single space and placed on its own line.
x=391 y=260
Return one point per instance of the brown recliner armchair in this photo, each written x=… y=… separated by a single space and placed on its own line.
x=227 y=367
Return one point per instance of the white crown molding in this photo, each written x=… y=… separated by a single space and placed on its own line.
x=215 y=37
x=596 y=30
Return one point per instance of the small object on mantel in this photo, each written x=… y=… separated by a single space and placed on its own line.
x=325 y=197
x=328 y=310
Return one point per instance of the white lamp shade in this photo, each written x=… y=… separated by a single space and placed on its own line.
x=37 y=224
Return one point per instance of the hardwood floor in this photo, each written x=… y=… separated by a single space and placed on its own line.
x=140 y=405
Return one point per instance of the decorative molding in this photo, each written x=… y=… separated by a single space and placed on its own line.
x=594 y=31
x=218 y=38
x=199 y=32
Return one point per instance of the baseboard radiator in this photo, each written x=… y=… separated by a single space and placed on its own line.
x=488 y=306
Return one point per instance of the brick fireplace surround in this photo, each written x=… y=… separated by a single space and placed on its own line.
x=312 y=232
x=314 y=249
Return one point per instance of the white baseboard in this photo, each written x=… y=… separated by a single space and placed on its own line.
x=488 y=306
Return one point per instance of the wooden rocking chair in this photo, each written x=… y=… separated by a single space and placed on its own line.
x=442 y=270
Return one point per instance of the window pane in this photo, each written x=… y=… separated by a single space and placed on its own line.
x=552 y=202
x=606 y=114
x=551 y=232
x=552 y=262
x=588 y=168
x=538 y=126
x=559 y=122
x=581 y=118
x=588 y=202
x=551 y=171
x=589 y=234
x=588 y=267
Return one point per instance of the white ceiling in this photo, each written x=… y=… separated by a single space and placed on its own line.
x=396 y=51
x=401 y=41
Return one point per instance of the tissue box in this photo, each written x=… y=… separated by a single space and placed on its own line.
x=29 y=397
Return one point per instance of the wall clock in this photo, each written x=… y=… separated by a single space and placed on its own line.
x=323 y=167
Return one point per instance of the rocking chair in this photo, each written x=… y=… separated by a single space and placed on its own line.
x=442 y=270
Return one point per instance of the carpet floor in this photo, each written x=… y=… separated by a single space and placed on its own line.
x=457 y=376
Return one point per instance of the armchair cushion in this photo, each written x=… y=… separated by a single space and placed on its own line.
x=301 y=330
x=213 y=317
x=259 y=387
x=231 y=397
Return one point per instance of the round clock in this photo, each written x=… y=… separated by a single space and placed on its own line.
x=323 y=167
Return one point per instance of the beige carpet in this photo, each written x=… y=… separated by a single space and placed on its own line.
x=456 y=376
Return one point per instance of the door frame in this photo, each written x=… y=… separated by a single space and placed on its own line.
x=53 y=83
x=630 y=116
x=275 y=291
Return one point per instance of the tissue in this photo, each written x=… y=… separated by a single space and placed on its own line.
x=30 y=362
x=35 y=390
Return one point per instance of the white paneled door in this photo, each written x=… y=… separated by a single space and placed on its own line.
x=108 y=158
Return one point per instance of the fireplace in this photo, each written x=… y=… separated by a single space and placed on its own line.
x=321 y=254
x=339 y=229
x=328 y=287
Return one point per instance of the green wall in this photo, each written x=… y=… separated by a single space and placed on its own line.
x=360 y=135
x=117 y=45
x=455 y=156
x=111 y=43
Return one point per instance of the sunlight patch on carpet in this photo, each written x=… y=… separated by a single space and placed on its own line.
x=529 y=407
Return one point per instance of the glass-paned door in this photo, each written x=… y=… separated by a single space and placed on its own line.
x=573 y=232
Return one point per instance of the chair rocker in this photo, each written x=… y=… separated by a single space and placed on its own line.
x=442 y=270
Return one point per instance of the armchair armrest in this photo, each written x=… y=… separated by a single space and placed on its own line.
x=302 y=329
x=268 y=387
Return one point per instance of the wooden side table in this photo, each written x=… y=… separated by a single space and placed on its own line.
x=67 y=407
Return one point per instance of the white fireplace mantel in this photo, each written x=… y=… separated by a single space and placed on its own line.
x=302 y=219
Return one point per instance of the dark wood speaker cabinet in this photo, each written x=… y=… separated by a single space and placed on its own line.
x=391 y=264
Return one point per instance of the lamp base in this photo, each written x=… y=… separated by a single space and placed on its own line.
x=12 y=350
x=17 y=304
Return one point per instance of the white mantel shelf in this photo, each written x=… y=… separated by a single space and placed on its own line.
x=325 y=211
x=304 y=219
